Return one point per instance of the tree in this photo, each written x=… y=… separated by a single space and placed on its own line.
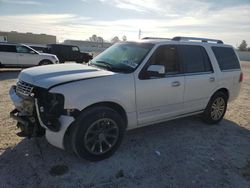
x=124 y=38
x=93 y=38
x=115 y=39
x=100 y=39
x=243 y=46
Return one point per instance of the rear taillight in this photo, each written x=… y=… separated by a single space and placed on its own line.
x=241 y=77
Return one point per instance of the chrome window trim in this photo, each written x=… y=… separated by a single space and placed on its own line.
x=230 y=70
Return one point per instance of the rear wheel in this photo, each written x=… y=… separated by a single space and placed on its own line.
x=216 y=108
x=97 y=133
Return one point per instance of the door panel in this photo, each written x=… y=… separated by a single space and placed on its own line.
x=158 y=99
x=198 y=90
x=200 y=79
x=8 y=58
x=26 y=57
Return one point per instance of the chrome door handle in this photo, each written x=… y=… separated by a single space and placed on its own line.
x=176 y=83
x=212 y=79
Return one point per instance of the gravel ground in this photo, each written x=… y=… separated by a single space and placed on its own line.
x=179 y=153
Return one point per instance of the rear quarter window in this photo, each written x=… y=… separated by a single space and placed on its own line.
x=226 y=58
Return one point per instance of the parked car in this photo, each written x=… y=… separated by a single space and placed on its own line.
x=19 y=55
x=68 y=53
x=87 y=108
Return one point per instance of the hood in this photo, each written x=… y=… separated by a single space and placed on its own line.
x=50 y=75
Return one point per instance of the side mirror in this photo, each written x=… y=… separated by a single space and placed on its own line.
x=156 y=71
x=32 y=52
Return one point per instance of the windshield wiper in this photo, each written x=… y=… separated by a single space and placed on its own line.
x=102 y=64
x=108 y=66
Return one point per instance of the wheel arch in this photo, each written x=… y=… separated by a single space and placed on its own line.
x=113 y=105
x=45 y=60
x=223 y=90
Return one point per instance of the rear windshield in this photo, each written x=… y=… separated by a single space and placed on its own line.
x=226 y=58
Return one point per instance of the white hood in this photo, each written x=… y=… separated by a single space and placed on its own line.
x=50 y=75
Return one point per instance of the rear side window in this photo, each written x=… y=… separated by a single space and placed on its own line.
x=226 y=58
x=7 y=48
x=195 y=59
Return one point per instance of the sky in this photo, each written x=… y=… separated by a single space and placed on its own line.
x=228 y=20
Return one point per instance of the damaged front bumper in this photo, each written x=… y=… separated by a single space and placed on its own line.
x=33 y=115
x=41 y=113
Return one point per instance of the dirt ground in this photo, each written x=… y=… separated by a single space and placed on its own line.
x=179 y=153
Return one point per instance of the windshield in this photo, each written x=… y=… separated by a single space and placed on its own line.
x=122 y=57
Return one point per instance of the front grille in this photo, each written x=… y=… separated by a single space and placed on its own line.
x=24 y=88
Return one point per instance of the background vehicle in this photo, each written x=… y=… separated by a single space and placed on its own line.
x=39 y=48
x=19 y=55
x=68 y=53
x=129 y=85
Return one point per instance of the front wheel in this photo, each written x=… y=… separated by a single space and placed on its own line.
x=97 y=133
x=45 y=62
x=216 y=108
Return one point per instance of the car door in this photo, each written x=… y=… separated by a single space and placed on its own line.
x=159 y=98
x=26 y=56
x=8 y=55
x=200 y=79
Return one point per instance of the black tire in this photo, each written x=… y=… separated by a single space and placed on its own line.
x=45 y=62
x=90 y=123
x=214 y=113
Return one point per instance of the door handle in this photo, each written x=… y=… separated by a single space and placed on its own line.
x=176 y=83
x=212 y=79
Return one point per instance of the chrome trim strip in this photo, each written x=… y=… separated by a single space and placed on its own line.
x=230 y=70
x=189 y=74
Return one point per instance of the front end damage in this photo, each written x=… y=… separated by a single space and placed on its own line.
x=36 y=110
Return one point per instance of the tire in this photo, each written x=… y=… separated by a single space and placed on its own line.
x=97 y=133
x=45 y=62
x=216 y=108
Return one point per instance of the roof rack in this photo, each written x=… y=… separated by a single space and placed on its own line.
x=159 y=38
x=197 y=39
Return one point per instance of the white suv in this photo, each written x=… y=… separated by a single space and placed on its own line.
x=87 y=108
x=19 y=55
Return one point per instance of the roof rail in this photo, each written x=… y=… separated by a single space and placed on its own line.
x=197 y=39
x=159 y=38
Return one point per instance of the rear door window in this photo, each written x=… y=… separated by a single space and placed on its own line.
x=195 y=59
x=226 y=58
x=7 y=48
